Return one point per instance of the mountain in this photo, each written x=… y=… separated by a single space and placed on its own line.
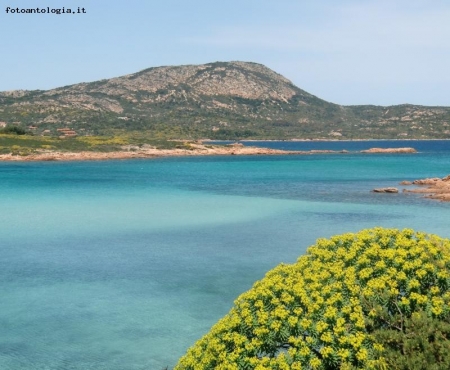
x=217 y=100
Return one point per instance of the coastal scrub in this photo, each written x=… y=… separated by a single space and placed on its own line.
x=376 y=299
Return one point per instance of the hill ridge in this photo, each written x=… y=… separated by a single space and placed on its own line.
x=216 y=100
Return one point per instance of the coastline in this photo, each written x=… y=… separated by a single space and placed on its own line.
x=317 y=140
x=433 y=188
x=194 y=149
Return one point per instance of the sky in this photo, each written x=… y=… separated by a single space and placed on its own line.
x=349 y=52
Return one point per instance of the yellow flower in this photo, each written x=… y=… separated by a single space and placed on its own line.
x=435 y=290
x=292 y=320
x=326 y=351
x=361 y=355
x=327 y=337
x=413 y=284
x=324 y=299
x=315 y=363
x=378 y=347
x=404 y=301
x=305 y=351
x=344 y=354
x=321 y=326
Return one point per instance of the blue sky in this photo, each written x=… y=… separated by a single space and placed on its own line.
x=347 y=52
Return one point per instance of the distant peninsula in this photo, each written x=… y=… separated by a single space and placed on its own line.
x=180 y=149
x=221 y=100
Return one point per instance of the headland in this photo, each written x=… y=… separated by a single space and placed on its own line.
x=187 y=149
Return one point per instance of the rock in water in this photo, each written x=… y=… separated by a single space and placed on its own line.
x=385 y=190
x=390 y=150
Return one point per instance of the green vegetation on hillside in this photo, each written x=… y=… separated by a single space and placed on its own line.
x=13 y=130
x=222 y=100
x=377 y=299
x=26 y=144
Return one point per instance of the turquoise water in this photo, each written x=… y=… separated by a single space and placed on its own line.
x=125 y=264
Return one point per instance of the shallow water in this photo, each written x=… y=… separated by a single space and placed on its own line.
x=125 y=264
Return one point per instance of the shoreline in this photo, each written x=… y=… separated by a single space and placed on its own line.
x=194 y=150
x=315 y=140
x=432 y=188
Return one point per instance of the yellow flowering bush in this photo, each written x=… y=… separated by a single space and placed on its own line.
x=322 y=311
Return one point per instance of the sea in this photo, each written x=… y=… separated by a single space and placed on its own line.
x=124 y=264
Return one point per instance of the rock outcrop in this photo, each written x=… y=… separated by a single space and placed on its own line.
x=130 y=151
x=190 y=149
x=434 y=188
x=390 y=150
x=385 y=190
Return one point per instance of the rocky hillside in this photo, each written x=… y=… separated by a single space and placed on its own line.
x=217 y=100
